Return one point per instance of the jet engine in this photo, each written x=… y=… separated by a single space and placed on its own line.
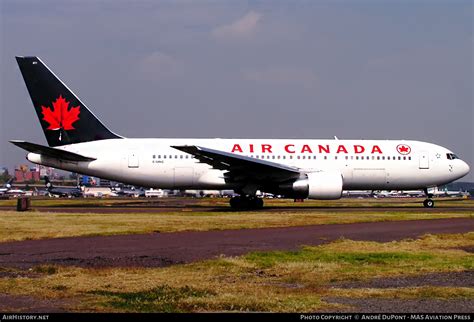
x=318 y=185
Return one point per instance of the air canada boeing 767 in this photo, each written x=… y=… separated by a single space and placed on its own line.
x=295 y=168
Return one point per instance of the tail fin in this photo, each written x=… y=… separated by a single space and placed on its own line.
x=47 y=183
x=8 y=184
x=63 y=117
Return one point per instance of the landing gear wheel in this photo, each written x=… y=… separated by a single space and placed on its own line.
x=235 y=202
x=428 y=203
x=246 y=203
x=259 y=203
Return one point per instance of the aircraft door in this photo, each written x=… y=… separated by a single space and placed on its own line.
x=424 y=160
x=133 y=160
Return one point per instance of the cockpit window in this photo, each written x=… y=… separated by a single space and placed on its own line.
x=451 y=156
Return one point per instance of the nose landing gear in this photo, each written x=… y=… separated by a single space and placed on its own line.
x=241 y=202
x=428 y=203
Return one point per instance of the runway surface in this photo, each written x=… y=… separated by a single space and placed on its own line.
x=164 y=249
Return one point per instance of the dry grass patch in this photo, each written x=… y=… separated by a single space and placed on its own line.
x=40 y=225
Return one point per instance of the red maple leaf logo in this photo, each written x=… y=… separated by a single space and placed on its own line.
x=403 y=149
x=61 y=117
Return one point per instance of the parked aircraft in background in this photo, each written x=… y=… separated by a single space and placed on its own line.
x=202 y=193
x=122 y=191
x=7 y=186
x=98 y=192
x=8 y=190
x=317 y=169
x=62 y=191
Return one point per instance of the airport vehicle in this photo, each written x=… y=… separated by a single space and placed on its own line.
x=66 y=192
x=317 y=169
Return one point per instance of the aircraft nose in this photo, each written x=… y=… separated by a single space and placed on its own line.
x=464 y=168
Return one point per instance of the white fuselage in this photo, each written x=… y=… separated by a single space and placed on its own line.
x=364 y=164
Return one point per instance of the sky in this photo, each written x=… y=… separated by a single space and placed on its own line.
x=363 y=69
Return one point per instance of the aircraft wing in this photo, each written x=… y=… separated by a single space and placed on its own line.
x=241 y=167
x=50 y=152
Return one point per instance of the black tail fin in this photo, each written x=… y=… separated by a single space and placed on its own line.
x=47 y=183
x=8 y=184
x=63 y=117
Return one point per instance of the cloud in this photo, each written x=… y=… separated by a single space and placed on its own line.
x=241 y=28
x=283 y=75
x=159 y=65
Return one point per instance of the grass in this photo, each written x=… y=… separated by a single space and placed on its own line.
x=298 y=281
x=39 y=225
x=266 y=260
x=158 y=299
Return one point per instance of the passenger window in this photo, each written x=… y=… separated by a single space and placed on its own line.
x=378 y=158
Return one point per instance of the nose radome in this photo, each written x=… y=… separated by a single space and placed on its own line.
x=464 y=168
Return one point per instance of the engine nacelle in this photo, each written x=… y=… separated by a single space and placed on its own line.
x=319 y=185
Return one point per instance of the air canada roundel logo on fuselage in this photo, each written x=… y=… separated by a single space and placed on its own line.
x=60 y=116
x=403 y=149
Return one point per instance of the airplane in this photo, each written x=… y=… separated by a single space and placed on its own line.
x=8 y=191
x=295 y=168
x=62 y=191
x=122 y=191
x=6 y=187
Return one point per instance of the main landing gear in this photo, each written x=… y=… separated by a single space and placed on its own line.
x=428 y=203
x=240 y=202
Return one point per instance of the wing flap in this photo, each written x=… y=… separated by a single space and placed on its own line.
x=51 y=152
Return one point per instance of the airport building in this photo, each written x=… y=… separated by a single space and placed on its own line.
x=25 y=173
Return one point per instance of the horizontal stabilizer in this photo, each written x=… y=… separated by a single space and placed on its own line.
x=50 y=152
